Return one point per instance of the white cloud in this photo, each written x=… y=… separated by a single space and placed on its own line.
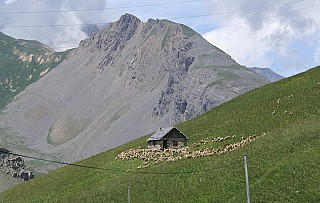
x=247 y=51
x=56 y=37
x=68 y=36
x=10 y=1
x=256 y=42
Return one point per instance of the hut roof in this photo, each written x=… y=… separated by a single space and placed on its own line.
x=163 y=132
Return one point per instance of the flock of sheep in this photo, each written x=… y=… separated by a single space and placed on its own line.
x=156 y=155
x=285 y=112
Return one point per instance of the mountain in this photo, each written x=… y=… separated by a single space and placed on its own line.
x=22 y=63
x=92 y=29
x=268 y=74
x=126 y=81
x=282 y=150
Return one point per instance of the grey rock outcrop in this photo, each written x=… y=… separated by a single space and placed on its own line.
x=123 y=83
x=14 y=166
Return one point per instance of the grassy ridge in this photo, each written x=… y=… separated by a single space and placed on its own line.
x=21 y=65
x=283 y=164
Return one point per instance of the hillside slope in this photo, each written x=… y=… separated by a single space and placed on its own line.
x=125 y=81
x=23 y=62
x=6 y=181
x=284 y=158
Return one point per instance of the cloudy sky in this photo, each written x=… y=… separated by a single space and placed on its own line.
x=283 y=35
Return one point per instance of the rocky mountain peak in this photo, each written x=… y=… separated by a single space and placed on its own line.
x=127 y=19
x=116 y=33
x=113 y=36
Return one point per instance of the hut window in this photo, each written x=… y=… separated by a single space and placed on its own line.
x=175 y=143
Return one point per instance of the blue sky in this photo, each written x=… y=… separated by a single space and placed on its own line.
x=280 y=34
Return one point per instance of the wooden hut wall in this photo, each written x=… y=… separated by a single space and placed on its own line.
x=155 y=143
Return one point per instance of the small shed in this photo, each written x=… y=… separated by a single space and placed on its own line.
x=169 y=137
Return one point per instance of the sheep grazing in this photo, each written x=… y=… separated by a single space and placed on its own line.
x=278 y=101
x=285 y=112
x=290 y=96
x=220 y=139
x=155 y=156
x=145 y=166
x=274 y=112
x=290 y=113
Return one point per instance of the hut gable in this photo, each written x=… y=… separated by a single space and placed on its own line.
x=169 y=137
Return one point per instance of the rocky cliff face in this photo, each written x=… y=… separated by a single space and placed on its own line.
x=120 y=84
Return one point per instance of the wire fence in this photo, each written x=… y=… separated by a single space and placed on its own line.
x=158 y=186
x=173 y=183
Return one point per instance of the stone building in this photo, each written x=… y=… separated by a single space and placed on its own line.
x=169 y=137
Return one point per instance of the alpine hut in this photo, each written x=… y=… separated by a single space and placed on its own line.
x=169 y=137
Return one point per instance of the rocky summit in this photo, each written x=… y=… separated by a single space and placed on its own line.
x=122 y=83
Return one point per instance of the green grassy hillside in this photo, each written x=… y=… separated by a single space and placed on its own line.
x=23 y=62
x=284 y=159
